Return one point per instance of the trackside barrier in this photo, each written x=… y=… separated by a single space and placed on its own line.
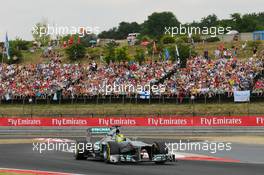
x=173 y=121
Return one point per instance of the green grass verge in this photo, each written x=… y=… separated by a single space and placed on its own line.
x=15 y=173
x=94 y=53
x=134 y=109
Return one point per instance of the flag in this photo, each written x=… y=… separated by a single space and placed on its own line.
x=190 y=38
x=6 y=45
x=55 y=98
x=154 y=47
x=65 y=44
x=71 y=40
x=160 y=55
x=79 y=40
x=193 y=41
x=221 y=47
x=167 y=54
x=177 y=52
x=7 y=97
x=144 y=95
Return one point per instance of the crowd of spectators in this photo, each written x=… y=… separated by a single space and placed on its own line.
x=70 y=80
x=259 y=87
x=221 y=76
x=201 y=76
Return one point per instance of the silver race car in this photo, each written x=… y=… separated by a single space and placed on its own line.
x=115 y=148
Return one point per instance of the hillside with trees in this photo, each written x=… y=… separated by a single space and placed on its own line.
x=156 y=22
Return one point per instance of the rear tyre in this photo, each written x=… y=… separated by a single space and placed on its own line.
x=80 y=151
x=160 y=163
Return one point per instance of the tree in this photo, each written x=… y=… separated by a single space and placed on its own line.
x=236 y=17
x=167 y=39
x=14 y=53
x=20 y=44
x=154 y=26
x=245 y=23
x=242 y=23
x=122 y=31
x=143 y=38
x=260 y=27
x=75 y=51
x=248 y=23
x=110 y=34
x=212 y=39
x=125 y=28
x=209 y=21
x=110 y=51
x=185 y=51
x=94 y=52
x=87 y=38
x=156 y=23
x=40 y=33
x=140 y=56
x=196 y=38
x=121 y=54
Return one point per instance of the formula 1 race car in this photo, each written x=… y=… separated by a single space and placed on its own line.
x=115 y=148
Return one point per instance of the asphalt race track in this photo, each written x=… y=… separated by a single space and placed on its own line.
x=21 y=156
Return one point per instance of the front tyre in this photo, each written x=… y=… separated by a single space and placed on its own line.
x=111 y=148
x=160 y=148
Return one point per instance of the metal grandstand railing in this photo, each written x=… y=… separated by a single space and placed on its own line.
x=124 y=99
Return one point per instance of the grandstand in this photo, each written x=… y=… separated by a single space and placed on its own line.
x=202 y=79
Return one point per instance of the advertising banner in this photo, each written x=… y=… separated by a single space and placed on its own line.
x=174 y=121
x=242 y=96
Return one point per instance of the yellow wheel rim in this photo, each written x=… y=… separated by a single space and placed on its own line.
x=108 y=152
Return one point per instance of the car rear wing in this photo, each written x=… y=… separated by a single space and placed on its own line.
x=90 y=132
x=99 y=130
